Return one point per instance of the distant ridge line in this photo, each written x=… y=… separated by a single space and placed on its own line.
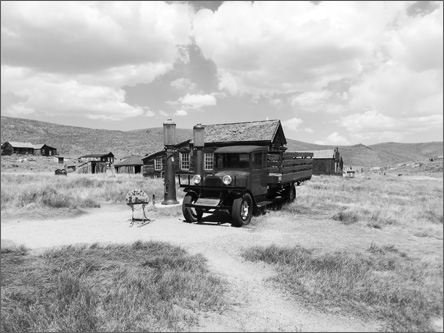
x=77 y=141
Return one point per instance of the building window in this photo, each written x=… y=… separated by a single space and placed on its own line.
x=158 y=165
x=185 y=161
x=208 y=161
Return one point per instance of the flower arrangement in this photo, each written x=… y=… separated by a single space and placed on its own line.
x=137 y=196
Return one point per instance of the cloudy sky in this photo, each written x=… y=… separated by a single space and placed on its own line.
x=334 y=72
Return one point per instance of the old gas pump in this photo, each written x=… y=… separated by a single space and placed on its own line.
x=199 y=138
x=169 y=140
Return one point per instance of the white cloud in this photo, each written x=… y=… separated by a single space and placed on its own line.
x=376 y=126
x=367 y=121
x=394 y=90
x=390 y=59
x=147 y=111
x=19 y=109
x=418 y=43
x=288 y=46
x=181 y=113
x=92 y=36
x=325 y=101
x=74 y=98
x=334 y=139
x=163 y=113
x=74 y=57
x=183 y=84
x=292 y=124
x=197 y=101
x=308 y=130
x=228 y=82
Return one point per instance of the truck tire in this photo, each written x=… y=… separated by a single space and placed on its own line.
x=191 y=214
x=242 y=210
x=290 y=194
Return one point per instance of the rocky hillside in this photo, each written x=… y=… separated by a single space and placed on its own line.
x=72 y=141
x=76 y=141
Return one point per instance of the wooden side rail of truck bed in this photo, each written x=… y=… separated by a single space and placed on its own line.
x=289 y=167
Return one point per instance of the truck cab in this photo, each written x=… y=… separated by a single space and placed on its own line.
x=240 y=184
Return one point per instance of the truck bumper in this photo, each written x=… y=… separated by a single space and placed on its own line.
x=208 y=204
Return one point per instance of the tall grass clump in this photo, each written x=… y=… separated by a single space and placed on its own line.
x=381 y=282
x=40 y=191
x=146 y=286
x=377 y=202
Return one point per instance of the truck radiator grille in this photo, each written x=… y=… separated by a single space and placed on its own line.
x=213 y=182
x=211 y=194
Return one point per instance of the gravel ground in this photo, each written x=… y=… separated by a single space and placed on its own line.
x=256 y=304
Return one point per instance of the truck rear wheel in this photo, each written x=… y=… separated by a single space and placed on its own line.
x=191 y=214
x=290 y=193
x=242 y=210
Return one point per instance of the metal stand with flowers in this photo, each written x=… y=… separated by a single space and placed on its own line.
x=138 y=197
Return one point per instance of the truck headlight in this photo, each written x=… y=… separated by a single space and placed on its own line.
x=197 y=179
x=227 y=180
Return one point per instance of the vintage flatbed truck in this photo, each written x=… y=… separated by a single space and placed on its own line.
x=245 y=178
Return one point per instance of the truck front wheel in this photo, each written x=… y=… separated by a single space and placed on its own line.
x=191 y=214
x=242 y=210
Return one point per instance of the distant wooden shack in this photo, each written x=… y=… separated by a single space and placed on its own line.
x=59 y=159
x=95 y=163
x=27 y=148
x=44 y=150
x=327 y=162
x=267 y=133
x=18 y=148
x=131 y=165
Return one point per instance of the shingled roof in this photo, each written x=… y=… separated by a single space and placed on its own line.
x=133 y=160
x=16 y=144
x=264 y=131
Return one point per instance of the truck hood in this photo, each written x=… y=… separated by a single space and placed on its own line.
x=232 y=173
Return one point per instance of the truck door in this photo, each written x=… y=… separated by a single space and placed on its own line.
x=258 y=174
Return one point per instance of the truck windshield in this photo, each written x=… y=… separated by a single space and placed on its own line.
x=232 y=161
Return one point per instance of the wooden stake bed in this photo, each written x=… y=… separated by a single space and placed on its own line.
x=274 y=178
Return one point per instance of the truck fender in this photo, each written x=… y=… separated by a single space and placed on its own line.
x=190 y=190
x=236 y=194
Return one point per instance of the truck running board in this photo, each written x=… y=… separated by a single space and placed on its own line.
x=264 y=203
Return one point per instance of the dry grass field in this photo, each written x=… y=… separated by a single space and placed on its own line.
x=358 y=254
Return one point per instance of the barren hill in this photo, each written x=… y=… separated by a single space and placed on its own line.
x=74 y=141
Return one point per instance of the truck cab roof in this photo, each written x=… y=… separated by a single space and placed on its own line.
x=240 y=149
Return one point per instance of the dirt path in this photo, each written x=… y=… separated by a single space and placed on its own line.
x=256 y=304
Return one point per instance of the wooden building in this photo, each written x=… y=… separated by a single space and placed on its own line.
x=44 y=150
x=18 y=148
x=95 y=163
x=267 y=133
x=327 y=162
x=154 y=164
x=59 y=159
x=26 y=148
x=132 y=165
